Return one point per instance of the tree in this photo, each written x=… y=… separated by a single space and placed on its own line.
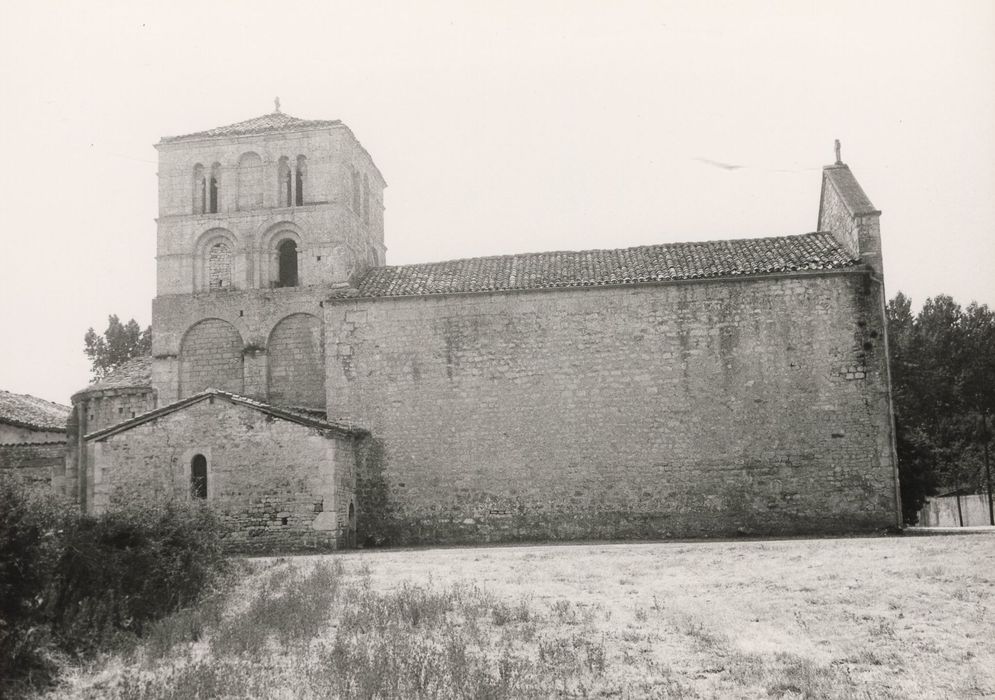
x=119 y=343
x=943 y=382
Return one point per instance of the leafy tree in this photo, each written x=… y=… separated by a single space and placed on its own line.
x=943 y=384
x=119 y=343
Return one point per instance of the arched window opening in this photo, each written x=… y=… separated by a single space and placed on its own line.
x=214 y=186
x=198 y=477
x=287 y=254
x=355 y=191
x=199 y=189
x=219 y=266
x=284 y=183
x=366 y=199
x=301 y=173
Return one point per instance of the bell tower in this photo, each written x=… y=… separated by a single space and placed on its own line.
x=258 y=222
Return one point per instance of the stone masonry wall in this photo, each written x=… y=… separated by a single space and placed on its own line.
x=33 y=463
x=254 y=314
x=211 y=357
x=278 y=485
x=834 y=216
x=704 y=408
x=296 y=362
x=334 y=240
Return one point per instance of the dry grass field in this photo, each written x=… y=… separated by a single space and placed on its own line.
x=841 y=618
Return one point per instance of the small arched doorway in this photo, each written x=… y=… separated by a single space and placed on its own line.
x=198 y=477
x=287 y=264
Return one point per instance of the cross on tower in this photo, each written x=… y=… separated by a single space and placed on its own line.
x=838 y=161
x=276 y=102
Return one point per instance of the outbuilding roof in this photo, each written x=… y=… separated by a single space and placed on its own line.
x=294 y=416
x=274 y=121
x=619 y=266
x=26 y=411
x=134 y=373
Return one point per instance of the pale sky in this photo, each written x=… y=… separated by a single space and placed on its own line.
x=500 y=127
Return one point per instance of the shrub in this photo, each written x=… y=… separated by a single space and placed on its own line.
x=130 y=566
x=31 y=527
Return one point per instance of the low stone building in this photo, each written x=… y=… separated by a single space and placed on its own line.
x=280 y=479
x=679 y=389
x=32 y=438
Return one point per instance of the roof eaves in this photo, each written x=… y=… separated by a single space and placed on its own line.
x=36 y=427
x=234 y=398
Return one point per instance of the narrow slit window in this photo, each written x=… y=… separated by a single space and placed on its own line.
x=199 y=189
x=299 y=183
x=198 y=477
x=284 y=183
x=214 y=188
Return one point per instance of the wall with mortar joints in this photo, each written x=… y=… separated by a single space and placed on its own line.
x=211 y=357
x=296 y=362
x=682 y=409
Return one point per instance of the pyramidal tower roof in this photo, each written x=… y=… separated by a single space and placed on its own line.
x=274 y=121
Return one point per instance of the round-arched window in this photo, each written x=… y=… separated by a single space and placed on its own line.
x=287 y=261
x=198 y=476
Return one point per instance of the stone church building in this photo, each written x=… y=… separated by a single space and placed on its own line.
x=320 y=397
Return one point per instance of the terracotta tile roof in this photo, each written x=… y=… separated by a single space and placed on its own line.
x=586 y=268
x=294 y=416
x=852 y=193
x=274 y=121
x=26 y=411
x=135 y=373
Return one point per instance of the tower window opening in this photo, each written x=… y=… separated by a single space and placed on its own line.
x=198 y=477
x=214 y=187
x=284 y=183
x=287 y=255
x=199 y=189
x=299 y=184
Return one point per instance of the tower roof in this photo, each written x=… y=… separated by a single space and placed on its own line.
x=274 y=121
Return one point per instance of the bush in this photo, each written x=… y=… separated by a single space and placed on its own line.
x=79 y=583
x=31 y=529
x=131 y=566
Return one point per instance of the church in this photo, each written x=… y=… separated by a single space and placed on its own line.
x=319 y=397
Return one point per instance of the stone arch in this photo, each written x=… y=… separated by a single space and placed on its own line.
x=211 y=357
x=250 y=181
x=296 y=349
x=269 y=245
x=206 y=276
